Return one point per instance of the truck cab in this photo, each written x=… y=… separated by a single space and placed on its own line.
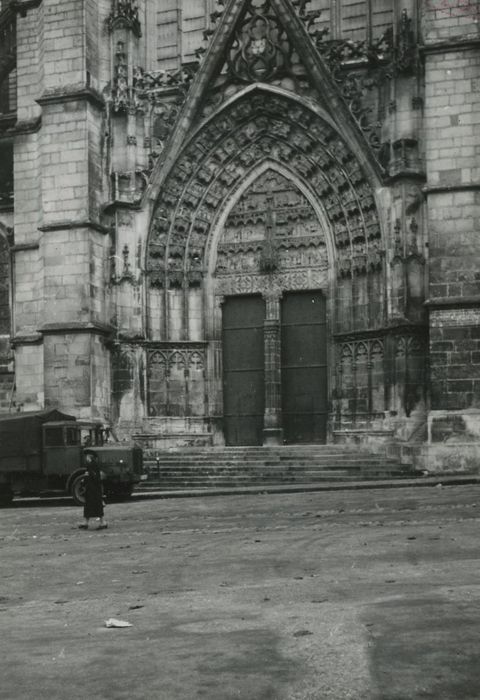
x=45 y=451
x=64 y=444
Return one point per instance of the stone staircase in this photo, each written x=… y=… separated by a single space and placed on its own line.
x=232 y=467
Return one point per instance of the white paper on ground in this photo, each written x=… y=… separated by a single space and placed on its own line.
x=112 y=622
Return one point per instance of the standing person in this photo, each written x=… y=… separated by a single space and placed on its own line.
x=93 y=507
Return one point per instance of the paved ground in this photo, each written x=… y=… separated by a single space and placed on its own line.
x=368 y=595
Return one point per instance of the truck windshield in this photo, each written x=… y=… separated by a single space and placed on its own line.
x=90 y=436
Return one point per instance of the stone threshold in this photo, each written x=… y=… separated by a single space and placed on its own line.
x=425 y=481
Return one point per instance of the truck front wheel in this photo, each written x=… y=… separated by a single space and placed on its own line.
x=77 y=490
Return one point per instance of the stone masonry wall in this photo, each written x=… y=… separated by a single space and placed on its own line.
x=61 y=249
x=64 y=169
x=453 y=163
x=452 y=128
x=455 y=358
x=28 y=296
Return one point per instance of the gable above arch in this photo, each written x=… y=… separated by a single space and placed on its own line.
x=260 y=42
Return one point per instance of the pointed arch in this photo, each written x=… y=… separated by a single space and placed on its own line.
x=237 y=193
x=376 y=351
x=261 y=124
x=361 y=352
x=327 y=92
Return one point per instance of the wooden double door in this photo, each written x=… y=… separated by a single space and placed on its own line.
x=302 y=367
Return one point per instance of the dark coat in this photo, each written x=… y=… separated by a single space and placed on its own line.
x=93 y=507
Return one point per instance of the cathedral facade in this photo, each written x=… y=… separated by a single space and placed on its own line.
x=247 y=223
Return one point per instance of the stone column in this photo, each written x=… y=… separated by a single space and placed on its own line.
x=214 y=377
x=407 y=170
x=272 y=426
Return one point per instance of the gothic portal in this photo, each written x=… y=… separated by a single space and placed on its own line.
x=256 y=225
x=267 y=205
x=271 y=238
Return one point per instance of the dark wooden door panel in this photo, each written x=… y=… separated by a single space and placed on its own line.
x=304 y=367
x=243 y=370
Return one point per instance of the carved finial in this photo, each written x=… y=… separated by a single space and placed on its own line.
x=301 y=4
x=215 y=16
x=208 y=33
x=405 y=49
x=124 y=13
x=199 y=52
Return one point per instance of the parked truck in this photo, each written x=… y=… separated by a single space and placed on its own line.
x=43 y=452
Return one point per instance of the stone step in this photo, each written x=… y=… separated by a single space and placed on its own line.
x=274 y=473
x=250 y=477
x=318 y=449
x=324 y=474
x=252 y=466
x=261 y=469
x=238 y=482
x=271 y=457
x=261 y=455
x=255 y=452
x=191 y=480
x=232 y=467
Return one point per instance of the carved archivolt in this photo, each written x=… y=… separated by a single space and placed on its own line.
x=254 y=128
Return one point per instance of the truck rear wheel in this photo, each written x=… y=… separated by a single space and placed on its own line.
x=6 y=496
x=77 y=490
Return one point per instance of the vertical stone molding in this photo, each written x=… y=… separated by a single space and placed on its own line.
x=272 y=431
